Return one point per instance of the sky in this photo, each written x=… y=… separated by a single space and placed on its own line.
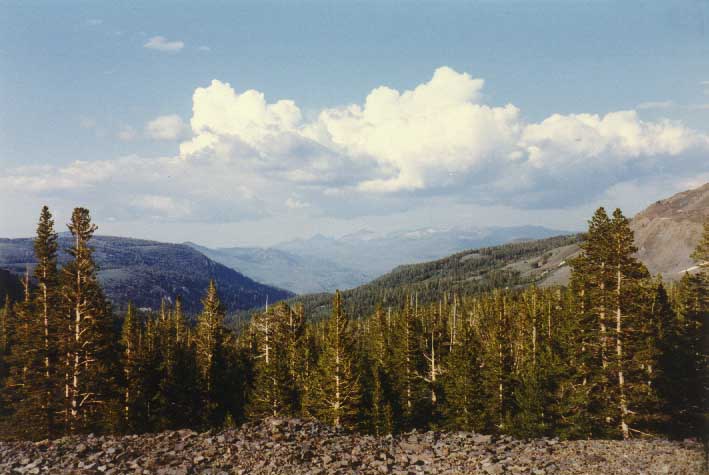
x=251 y=123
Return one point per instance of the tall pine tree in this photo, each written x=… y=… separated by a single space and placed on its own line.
x=338 y=389
x=88 y=350
x=209 y=347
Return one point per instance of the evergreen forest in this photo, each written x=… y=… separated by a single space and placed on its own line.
x=614 y=354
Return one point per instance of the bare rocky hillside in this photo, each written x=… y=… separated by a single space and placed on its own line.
x=278 y=446
x=666 y=234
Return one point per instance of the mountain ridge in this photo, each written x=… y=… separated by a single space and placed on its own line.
x=542 y=262
x=146 y=272
x=325 y=263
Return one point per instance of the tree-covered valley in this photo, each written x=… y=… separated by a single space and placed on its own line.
x=615 y=353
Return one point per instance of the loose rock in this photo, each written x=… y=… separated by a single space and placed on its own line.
x=291 y=446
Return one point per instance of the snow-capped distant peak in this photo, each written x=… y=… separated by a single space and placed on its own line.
x=360 y=235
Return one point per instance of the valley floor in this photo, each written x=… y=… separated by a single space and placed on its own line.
x=278 y=446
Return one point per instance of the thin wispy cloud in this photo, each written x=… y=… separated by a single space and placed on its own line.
x=166 y=127
x=160 y=43
x=87 y=123
x=656 y=105
x=127 y=134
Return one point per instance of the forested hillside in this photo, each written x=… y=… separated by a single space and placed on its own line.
x=465 y=273
x=148 y=272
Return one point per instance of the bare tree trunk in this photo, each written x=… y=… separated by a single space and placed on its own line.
x=126 y=407
x=338 y=403
x=47 y=369
x=602 y=318
x=408 y=366
x=619 y=353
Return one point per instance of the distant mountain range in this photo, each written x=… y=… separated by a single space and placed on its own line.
x=666 y=233
x=463 y=259
x=145 y=272
x=464 y=273
x=323 y=264
x=297 y=273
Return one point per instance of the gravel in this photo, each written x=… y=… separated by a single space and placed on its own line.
x=293 y=446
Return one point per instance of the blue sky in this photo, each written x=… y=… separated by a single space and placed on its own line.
x=608 y=104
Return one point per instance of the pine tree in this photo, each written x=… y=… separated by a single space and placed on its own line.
x=130 y=343
x=307 y=372
x=701 y=355
x=592 y=278
x=685 y=357
x=23 y=400
x=6 y=319
x=535 y=366
x=48 y=321
x=338 y=389
x=179 y=386
x=435 y=335
x=464 y=395
x=495 y=326
x=209 y=347
x=5 y=337
x=88 y=350
x=629 y=294
x=375 y=364
x=406 y=364
x=34 y=382
x=278 y=331
x=577 y=402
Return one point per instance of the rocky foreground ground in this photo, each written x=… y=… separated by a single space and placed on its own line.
x=278 y=446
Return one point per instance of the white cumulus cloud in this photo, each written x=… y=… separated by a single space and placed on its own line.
x=436 y=138
x=243 y=156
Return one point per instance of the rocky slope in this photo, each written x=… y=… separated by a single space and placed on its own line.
x=666 y=234
x=278 y=446
x=667 y=231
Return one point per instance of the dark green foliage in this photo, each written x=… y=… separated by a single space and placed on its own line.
x=88 y=349
x=10 y=287
x=337 y=386
x=33 y=345
x=614 y=354
x=684 y=361
x=464 y=395
x=277 y=335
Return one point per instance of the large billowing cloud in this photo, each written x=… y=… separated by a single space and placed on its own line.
x=246 y=155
